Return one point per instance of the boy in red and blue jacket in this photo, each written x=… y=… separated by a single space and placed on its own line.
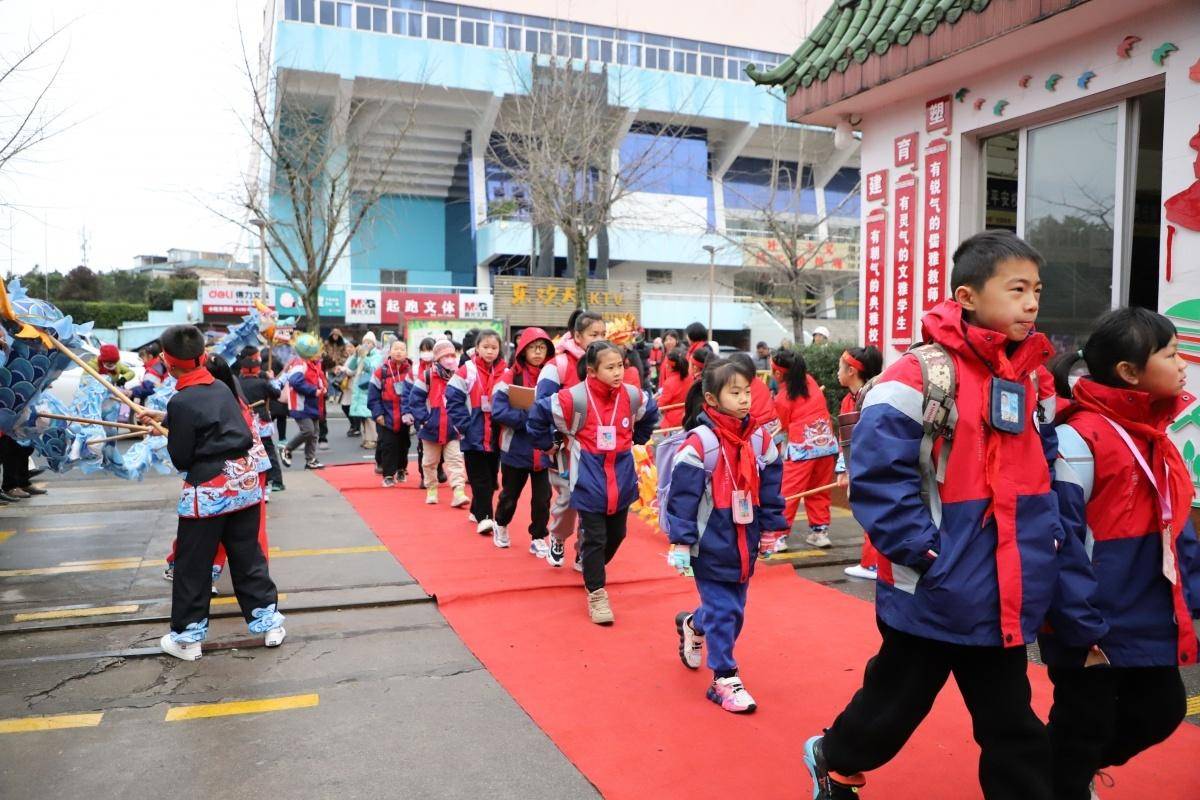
x=603 y=418
x=306 y=380
x=469 y=404
x=520 y=461
x=967 y=577
x=386 y=393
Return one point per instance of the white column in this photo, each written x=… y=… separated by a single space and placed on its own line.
x=724 y=153
x=339 y=133
x=481 y=134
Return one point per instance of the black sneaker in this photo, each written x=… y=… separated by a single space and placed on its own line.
x=314 y=464
x=277 y=487
x=829 y=785
x=285 y=457
x=402 y=476
x=422 y=486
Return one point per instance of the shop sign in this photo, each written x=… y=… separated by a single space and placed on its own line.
x=417 y=305
x=363 y=307
x=874 y=258
x=475 y=306
x=905 y=244
x=228 y=298
x=937 y=204
x=289 y=303
x=549 y=301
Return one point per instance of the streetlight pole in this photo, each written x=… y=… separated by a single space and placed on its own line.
x=262 y=258
x=712 y=284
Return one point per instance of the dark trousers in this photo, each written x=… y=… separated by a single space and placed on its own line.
x=392 y=449
x=355 y=422
x=322 y=430
x=275 y=474
x=196 y=546
x=899 y=687
x=14 y=461
x=482 y=474
x=1104 y=716
x=600 y=536
x=281 y=428
x=307 y=436
x=512 y=483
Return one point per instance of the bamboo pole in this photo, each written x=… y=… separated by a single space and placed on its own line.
x=671 y=406
x=113 y=390
x=256 y=404
x=119 y=437
x=810 y=492
x=102 y=422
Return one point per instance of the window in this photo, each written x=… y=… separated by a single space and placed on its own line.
x=327 y=12
x=658 y=58
x=379 y=20
x=474 y=32
x=712 y=66
x=345 y=13
x=593 y=49
x=393 y=277
x=414 y=24
x=576 y=47
x=362 y=19
x=630 y=54
x=531 y=41
x=659 y=277
x=441 y=28
x=606 y=52
x=399 y=23
x=291 y=10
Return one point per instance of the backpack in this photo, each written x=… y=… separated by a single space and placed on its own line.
x=666 y=451
x=579 y=405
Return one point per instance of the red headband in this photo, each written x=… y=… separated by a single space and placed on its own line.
x=186 y=364
x=852 y=361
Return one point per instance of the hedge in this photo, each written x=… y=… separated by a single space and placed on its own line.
x=822 y=361
x=104 y=314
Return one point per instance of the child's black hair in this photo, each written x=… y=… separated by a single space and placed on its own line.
x=696 y=332
x=592 y=357
x=486 y=333
x=870 y=358
x=677 y=359
x=671 y=332
x=1124 y=334
x=634 y=359
x=582 y=320
x=220 y=369
x=793 y=364
x=182 y=341
x=744 y=361
x=976 y=259
x=470 y=338
x=426 y=344
x=571 y=319
x=153 y=349
x=717 y=373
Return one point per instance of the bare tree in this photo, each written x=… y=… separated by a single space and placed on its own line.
x=558 y=137
x=785 y=244
x=26 y=120
x=327 y=157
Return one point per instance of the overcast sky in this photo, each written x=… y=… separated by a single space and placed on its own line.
x=152 y=101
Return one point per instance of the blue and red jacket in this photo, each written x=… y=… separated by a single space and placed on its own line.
x=516 y=446
x=153 y=375
x=601 y=481
x=469 y=402
x=699 y=505
x=981 y=564
x=427 y=404
x=387 y=392
x=306 y=400
x=561 y=371
x=1110 y=508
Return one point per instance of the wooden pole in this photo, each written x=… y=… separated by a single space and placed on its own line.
x=113 y=390
x=810 y=492
x=118 y=437
x=671 y=406
x=256 y=404
x=104 y=423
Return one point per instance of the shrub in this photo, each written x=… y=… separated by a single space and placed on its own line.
x=103 y=314
x=822 y=361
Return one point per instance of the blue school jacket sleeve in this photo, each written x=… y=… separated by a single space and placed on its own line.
x=456 y=401
x=375 y=396
x=503 y=412
x=647 y=418
x=418 y=405
x=885 y=494
x=688 y=480
x=770 y=491
x=541 y=425
x=298 y=384
x=1188 y=547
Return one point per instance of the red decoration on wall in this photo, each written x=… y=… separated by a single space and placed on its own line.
x=1184 y=208
x=1126 y=46
x=906 y=150
x=877 y=185
x=979 y=103
x=937 y=204
x=1170 y=243
x=904 y=260
x=937 y=114
x=1024 y=82
x=1194 y=71
x=413 y=305
x=875 y=236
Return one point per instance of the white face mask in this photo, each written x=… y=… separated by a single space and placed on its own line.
x=448 y=362
x=427 y=356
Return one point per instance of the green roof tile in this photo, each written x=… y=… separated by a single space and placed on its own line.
x=851 y=30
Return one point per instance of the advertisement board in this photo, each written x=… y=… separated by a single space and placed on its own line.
x=229 y=298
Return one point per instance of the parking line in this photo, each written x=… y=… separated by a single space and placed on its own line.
x=798 y=554
x=1193 y=705
x=64 y=528
x=31 y=724
x=69 y=613
x=181 y=713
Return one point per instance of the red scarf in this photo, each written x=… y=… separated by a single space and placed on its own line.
x=197 y=377
x=1145 y=418
x=529 y=374
x=734 y=435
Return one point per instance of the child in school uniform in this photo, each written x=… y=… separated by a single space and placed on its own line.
x=520 y=461
x=674 y=383
x=562 y=372
x=469 y=404
x=386 y=400
x=220 y=504
x=439 y=439
x=727 y=472
x=969 y=571
x=857 y=366
x=1126 y=496
x=260 y=392
x=305 y=377
x=812 y=447
x=602 y=417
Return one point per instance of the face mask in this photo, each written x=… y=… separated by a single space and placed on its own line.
x=448 y=362
x=427 y=356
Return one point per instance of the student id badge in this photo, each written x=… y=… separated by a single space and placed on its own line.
x=743 y=509
x=398 y=387
x=485 y=404
x=606 y=437
x=1008 y=406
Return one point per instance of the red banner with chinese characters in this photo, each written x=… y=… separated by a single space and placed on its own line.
x=415 y=305
x=904 y=241
x=875 y=236
x=937 y=205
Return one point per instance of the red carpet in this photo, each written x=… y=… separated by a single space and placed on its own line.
x=625 y=711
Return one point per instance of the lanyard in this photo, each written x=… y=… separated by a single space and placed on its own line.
x=490 y=382
x=1164 y=503
x=595 y=410
x=392 y=376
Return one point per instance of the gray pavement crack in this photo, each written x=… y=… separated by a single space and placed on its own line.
x=103 y=664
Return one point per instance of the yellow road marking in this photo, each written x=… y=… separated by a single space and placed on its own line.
x=5 y=535
x=796 y=555
x=1193 y=705
x=68 y=613
x=180 y=713
x=31 y=724
x=232 y=601
x=133 y=562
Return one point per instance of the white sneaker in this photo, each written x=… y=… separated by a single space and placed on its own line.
x=184 y=651
x=460 y=499
x=500 y=536
x=859 y=571
x=556 y=553
x=818 y=539
x=780 y=545
x=275 y=637
x=471 y=517
x=431 y=496
x=691 y=644
x=484 y=526
x=538 y=548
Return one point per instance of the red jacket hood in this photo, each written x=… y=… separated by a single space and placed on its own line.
x=531 y=335
x=944 y=324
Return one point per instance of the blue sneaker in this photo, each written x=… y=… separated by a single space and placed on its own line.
x=829 y=785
